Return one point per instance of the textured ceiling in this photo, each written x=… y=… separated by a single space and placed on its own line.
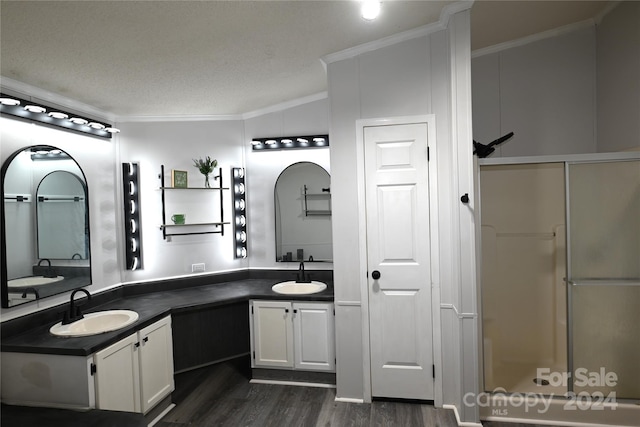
x=164 y=58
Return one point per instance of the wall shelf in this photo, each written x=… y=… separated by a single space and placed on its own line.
x=214 y=227
x=325 y=195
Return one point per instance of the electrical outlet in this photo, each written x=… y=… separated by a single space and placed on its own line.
x=197 y=268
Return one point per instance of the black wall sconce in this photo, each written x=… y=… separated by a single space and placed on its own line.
x=133 y=233
x=239 y=213
x=290 y=142
x=38 y=112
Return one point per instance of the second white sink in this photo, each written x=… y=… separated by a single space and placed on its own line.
x=96 y=323
x=25 y=282
x=294 y=288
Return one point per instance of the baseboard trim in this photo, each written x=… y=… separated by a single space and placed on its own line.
x=461 y=423
x=348 y=400
x=293 y=383
x=161 y=415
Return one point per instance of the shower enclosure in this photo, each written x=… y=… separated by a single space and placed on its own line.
x=560 y=281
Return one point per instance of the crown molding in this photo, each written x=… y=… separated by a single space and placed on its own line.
x=555 y=32
x=35 y=94
x=285 y=105
x=229 y=117
x=441 y=24
x=179 y=118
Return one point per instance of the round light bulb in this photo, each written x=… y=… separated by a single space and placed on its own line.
x=370 y=9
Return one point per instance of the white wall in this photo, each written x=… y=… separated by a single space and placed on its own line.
x=96 y=158
x=542 y=91
x=416 y=76
x=618 y=71
x=175 y=144
x=573 y=93
x=264 y=167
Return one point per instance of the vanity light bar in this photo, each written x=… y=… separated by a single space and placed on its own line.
x=131 y=208
x=290 y=142
x=38 y=112
x=239 y=213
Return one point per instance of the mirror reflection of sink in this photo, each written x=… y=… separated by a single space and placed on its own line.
x=25 y=282
x=96 y=323
x=294 y=288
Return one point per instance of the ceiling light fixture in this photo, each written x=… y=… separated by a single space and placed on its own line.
x=35 y=108
x=9 y=101
x=78 y=121
x=290 y=142
x=97 y=125
x=370 y=9
x=37 y=112
x=58 y=115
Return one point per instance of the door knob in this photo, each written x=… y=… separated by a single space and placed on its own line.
x=375 y=274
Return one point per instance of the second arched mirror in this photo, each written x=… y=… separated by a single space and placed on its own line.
x=45 y=235
x=303 y=214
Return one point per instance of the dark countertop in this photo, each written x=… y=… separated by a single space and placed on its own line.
x=152 y=307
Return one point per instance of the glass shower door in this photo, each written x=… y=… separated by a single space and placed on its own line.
x=604 y=277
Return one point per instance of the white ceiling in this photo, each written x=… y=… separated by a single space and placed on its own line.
x=177 y=58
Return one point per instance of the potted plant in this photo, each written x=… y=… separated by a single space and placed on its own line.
x=205 y=167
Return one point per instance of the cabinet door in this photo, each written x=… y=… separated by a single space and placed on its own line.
x=313 y=325
x=156 y=363
x=272 y=334
x=117 y=376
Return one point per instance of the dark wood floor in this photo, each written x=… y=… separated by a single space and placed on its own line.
x=221 y=395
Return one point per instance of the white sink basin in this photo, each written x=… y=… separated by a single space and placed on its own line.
x=25 y=282
x=293 y=288
x=96 y=323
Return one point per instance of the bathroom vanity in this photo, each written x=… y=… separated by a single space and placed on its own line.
x=131 y=369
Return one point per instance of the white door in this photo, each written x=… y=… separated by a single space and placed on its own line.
x=272 y=334
x=156 y=363
x=313 y=325
x=398 y=257
x=117 y=376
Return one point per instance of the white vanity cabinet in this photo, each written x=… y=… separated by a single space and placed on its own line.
x=292 y=335
x=136 y=373
x=131 y=375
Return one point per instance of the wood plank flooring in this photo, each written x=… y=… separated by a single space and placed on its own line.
x=221 y=395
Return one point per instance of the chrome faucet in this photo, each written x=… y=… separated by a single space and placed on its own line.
x=49 y=273
x=302 y=277
x=74 y=312
x=31 y=289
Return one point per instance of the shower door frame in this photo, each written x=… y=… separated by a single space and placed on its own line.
x=566 y=159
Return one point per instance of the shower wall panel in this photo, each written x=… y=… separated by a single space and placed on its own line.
x=523 y=267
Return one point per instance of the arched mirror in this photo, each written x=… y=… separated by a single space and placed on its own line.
x=62 y=217
x=303 y=214
x=45 y=228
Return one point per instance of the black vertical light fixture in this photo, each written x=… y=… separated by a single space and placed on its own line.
x=133 y=233
x=239 y=212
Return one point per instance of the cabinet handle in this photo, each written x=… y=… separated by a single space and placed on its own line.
x=295 y=311
x=286 y=310
x=136 y=345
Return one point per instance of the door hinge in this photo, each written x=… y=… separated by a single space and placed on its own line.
x=93 y=369
x=433 y=370
x=428 y=155
x=251 y=309
x=254 y=354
